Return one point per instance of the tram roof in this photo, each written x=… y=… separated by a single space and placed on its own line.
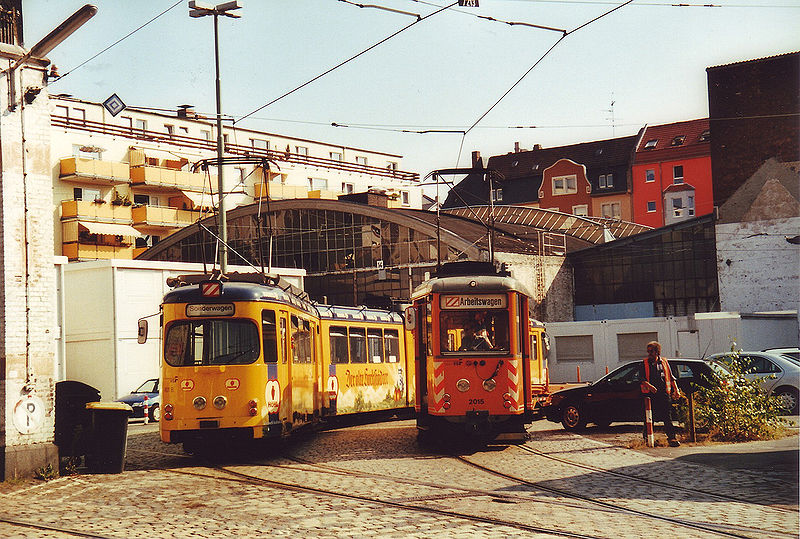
x=332 y=312
x=237 y=291
x=470 y=284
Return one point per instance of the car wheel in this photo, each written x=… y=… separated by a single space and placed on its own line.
x=788 y=397
x=155 y=413
x=572 y=417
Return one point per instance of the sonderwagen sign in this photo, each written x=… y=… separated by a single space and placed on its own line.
x=210 y=309
x=472 y=301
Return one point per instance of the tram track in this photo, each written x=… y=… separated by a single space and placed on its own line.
x=650 y=481
x=292 y=487
x=48 y=528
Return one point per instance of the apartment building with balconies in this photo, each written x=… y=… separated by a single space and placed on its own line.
x=121 y=183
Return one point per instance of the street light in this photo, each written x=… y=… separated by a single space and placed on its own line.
x=202 y=9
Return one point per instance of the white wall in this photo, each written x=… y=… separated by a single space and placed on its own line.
x=685 y=336
x=104 y=299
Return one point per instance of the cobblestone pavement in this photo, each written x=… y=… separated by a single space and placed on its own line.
x=556 y=482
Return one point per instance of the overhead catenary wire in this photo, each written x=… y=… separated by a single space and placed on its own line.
x=342 y=63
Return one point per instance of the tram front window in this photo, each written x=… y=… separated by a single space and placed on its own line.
x=473 y=331
x=211 y=342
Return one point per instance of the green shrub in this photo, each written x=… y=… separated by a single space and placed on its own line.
x=737 y=409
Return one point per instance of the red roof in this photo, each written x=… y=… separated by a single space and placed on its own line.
x=676 y=140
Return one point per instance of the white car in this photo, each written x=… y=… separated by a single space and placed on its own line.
x=779 y=374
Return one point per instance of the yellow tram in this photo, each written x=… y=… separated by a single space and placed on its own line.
x=248 y=357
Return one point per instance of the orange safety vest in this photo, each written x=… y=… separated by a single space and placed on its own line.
x=669 y=383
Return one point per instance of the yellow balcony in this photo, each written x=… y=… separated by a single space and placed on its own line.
x=94 y=171
x=162 y=216
x=167 y=178
x=85 y=210
x=278 y=191
x=85 y=251
x=322 y=193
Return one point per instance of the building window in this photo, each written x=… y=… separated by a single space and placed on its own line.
x=690 y=205
x=581 y=210
x=145 y=200
x=361 y=160
x=141 y=125
x=87 y=152
x=404 y=198
x=183 y=130
x=651 y=206
x=79 y=115
x=677 y=174
x=170 y=129
x=650 y=176
x=206 y=134
x=497 y=195
x=678 y=141
x=61 y=110
x=606 y=180
x=391 y=165
x=650 y=144
x=348 y=187
x=565 y=185
x=82 y=193
x=611 y=210
x=240 y=173
x=301 y=150
x=317 y=184
x=259 y=144
x=705 y=136
x=335 y=156
x=677 y=207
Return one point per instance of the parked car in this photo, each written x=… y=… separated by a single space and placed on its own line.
x=136 y=397
x=793 y=353
x=617 y=396
x=779 y=374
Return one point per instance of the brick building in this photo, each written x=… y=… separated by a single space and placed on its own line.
x=754 y=108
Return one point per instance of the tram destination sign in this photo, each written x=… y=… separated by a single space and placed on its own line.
x=210 y=309
x=473 y=301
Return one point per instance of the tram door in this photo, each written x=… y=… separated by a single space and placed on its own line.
x=285 y=370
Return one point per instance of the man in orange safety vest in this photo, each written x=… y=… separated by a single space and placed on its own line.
x=661 y=387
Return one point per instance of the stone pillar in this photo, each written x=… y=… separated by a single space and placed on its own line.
x=27 y=284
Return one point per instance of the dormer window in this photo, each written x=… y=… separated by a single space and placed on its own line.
x=677 y=141
x=705 y=136
x=650 y=144
x=606 y=180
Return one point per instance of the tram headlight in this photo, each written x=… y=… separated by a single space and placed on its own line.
x=463 y=385
x=220 y=402
x=446 y=397
x=489 y=384
x=199 y=403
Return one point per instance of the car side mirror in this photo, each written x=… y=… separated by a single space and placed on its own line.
x=142 y=334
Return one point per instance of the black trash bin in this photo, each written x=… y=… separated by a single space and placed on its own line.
x=73 y=420
x=108 y=440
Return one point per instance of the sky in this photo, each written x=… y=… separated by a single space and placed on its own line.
x=453 y=70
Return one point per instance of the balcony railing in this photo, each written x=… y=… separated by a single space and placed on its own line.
x=278 y=191
x=162 y=216
x=85 y=210
x=94 y=171
x=235 y=149
x=167 y=178
x=77 y=251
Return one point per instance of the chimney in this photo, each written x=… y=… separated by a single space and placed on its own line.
x=537 y=146
x=186 y=111
x=477 y=161
x=516 y=147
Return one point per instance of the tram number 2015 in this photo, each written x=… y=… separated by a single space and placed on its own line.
x=476 y=401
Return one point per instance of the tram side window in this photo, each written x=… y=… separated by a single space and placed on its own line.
x=338 y=337
x=358 y=345
x=375 y=345
x=534 y=347
x=391 y=345
x=284 y=340
x=301 y=341
x=269 y=330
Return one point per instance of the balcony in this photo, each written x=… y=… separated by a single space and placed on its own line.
x=166 y=217
x=84 y=210
x=279 y=191
x=94 y=171
x=88 y=251
x=169 y=178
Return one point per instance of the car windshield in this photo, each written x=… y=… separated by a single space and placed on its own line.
x=473 y=331
x=150 y=386
x=211 y=342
